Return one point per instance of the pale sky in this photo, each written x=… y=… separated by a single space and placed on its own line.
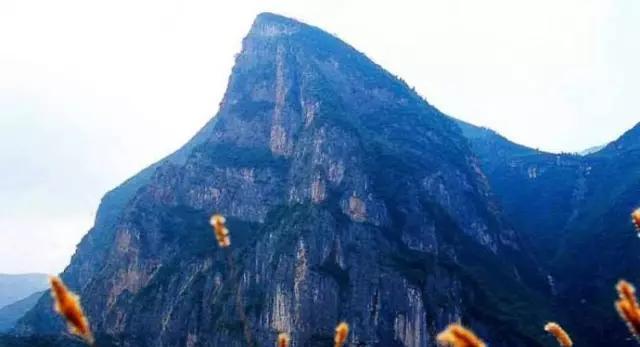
x=93 y=91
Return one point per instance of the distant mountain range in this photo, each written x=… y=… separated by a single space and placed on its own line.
x=18 y=294
x=350 y=197
x=19 y=286
x=591 y=150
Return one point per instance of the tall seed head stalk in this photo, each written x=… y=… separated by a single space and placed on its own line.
x=342 y=331
x=67 y=304
x=635 y=218
x=283 y=340
x=564 y=340
x=217 y=221
x=455 y=335
x=627 y=307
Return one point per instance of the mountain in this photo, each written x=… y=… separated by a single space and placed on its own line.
x=591 y=150
x=574 y=210
x=11 y=313
x=348 y=197
x=537 y=191
x=14 y=287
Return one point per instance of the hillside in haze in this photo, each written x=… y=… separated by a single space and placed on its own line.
x=349 y=197
x=18 y=294
x=14 y=287
x=11 y=313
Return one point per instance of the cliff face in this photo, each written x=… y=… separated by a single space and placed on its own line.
x=348 y=197
x=574 y=210
x=539 y=192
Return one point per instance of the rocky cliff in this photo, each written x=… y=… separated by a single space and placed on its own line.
x=348 y=197
x=575 y=211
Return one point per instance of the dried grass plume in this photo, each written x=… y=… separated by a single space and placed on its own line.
x=283 y=340
x=560 y=334
x=635 y=218
x=455 y=335
x=219 y=228
x=342 y=331
x=67 y=304
x=627 y=306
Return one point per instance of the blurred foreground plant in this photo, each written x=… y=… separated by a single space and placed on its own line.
x=627 y=306
x=455 y=335
x=67 y=304
x=283 y=340
x=220 y=230
x=342 y=331
x=560 y=334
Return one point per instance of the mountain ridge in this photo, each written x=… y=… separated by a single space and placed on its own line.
x=348 y=197
x=14 y=287
x=11 y=313
x=568 y=206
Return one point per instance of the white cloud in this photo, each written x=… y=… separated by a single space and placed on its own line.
x=91 y=92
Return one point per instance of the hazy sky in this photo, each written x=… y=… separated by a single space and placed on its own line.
x=93 y=91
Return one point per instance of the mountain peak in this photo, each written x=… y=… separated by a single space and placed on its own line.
x=275 y=18
x=269 y=24
x=330 y=171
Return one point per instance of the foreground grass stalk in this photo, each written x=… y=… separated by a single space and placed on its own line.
x=455 y=335
x=627 y=307
x=217 y=221
x=283 y=340
x=67 y=304
x=564 y=340
x=342 y=331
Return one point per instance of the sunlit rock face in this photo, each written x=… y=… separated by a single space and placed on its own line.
x=348 y=197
